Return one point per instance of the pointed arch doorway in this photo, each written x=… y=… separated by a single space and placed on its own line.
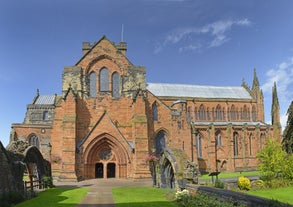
x=105 y=157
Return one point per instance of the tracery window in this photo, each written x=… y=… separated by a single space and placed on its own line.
x=116 y=85
x=92 y=84
x=34 y=140
x=104 y=79
x=235 y=144
x=155 y=111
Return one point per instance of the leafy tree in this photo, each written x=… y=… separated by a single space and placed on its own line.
x=288 y=132
x=271 y=159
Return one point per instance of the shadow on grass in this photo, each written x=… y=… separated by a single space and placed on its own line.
x=56 y=197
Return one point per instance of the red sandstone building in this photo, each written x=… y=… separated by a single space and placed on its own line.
x=108 y=119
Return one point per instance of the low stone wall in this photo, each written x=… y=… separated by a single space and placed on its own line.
x=237 y=197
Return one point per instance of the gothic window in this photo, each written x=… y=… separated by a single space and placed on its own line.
x=188 y=114
x=235 y=144
x=245 y=113
x=45 y=116
x=34 y=140
x=233 y=114
x=116 y=85
x=218 y=139
x=219 y=113
x=198 y=144
x=93 y=92
x=202 y=113
x=155 y=111
x=104 y=79
x=253 y=113
x=262 y=140
x=160 y=142
x=196 y=113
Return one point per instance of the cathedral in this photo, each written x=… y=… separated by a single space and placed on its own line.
x=108 y=119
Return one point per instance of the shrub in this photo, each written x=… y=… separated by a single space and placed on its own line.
x=47 y=182
x=219 y=184
x=244 y=183
x=180 y=195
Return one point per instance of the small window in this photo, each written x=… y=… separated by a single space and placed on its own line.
x=235 y=144
x=218 y=139
x=155 y=111
x=198 y=144
x=45 y=116
x=93 y=92
x=104 y=79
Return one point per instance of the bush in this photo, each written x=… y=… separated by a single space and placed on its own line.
x=219 y=184
x=244 y=183
x=47 y=182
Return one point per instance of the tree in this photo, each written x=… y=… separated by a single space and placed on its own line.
x=271 y=159
x=288 y=132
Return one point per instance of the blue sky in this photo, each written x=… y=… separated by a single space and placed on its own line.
x=178 y=41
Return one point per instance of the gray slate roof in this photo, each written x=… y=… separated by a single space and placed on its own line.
x=45 y=99
x=197 y=91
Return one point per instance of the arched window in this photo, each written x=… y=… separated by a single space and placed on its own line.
x=93 y=92
x=235 y=144
x=45 y=116
x=262 y=140
x=233 y=114
x=245 y=113
x=104 y=79
x=188 y=114
x=219 y=115
x=116 y=85
x=198 y=144
x=253 y=113
x=155 y=111
x=160 y=142
x=218 y=138
x=202 y=113
x=34 y=140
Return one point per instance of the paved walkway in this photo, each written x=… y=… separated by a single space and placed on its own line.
x=100 y=190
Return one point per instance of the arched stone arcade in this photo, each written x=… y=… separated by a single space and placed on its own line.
x=105 y=157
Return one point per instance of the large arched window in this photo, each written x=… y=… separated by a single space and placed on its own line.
x=235 y=144
x=202 y=113
x=93 y=92
x=116 y=85
x=155 y=111
x=34 y=140
x=104 y=79
x=245 y=113
x=160 y=142
x=198 y=144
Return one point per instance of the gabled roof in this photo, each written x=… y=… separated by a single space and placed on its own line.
x=45 y=99
x=198 y=91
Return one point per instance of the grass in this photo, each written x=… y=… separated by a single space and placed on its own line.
x=141 y=197
x=281 y=194
x=56 y=197
x=231 y=175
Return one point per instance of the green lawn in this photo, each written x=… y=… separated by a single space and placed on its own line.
x=232 y=175
x=57 y=197
x=141 y=197
x=281 y=194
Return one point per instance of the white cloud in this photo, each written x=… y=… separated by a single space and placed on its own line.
x=283 y=76
x=215 y=35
